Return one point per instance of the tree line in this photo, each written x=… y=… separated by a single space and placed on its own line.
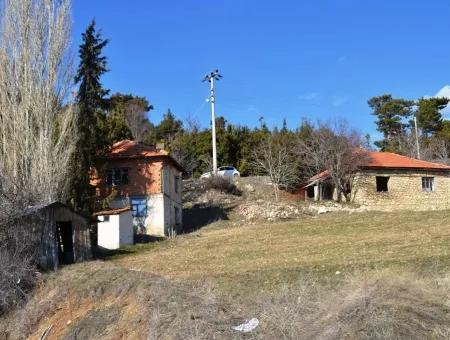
x=105 y=119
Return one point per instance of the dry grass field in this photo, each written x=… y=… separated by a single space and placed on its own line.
x=333 y=276
x=263 y=256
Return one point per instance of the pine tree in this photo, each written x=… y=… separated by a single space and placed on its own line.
x=391 y=114
x=168 y=128
x=92 y=122
x=429 y=118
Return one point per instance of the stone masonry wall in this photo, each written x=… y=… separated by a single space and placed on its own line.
x=404 y=190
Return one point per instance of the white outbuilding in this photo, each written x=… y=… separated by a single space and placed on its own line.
x=115 y=228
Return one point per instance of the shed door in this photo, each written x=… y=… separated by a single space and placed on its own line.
x=64 y=239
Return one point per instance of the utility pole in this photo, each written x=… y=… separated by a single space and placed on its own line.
x=417 y=137
x=210 y=77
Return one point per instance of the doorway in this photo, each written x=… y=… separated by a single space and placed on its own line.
x=64 y=239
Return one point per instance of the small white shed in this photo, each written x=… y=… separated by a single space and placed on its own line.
x=115 y=228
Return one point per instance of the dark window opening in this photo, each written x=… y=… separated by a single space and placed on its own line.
x=382 y=183
x=64 y=239
x=116 y=177
x=106 y=218
x=428 y=184
x=176 y=179
x=139 y=207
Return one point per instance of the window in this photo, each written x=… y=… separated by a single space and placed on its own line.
x=106 y=218
x=428 y=184
x=116 y=177
x=176 y=184
x=382 y=183
x=139 y=207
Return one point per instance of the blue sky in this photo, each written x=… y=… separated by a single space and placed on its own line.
x=280 y=59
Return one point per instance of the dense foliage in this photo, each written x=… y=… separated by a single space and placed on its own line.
x=91 y=104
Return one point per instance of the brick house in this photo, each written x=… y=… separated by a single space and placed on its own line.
x=147 y=179
x=391 y=182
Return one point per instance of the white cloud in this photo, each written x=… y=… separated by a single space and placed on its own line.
x=444 y=92
x=338 y=101
x=309 y=96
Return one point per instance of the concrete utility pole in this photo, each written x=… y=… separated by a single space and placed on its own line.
x=210 y=77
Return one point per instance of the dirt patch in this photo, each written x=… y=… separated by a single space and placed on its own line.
x=102 y=301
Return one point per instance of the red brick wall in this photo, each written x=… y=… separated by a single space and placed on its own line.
x=144 y=177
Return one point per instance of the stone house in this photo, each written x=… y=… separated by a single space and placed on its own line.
x=148 y=180
x=389 y=181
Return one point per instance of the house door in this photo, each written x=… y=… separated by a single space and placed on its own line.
x=64 y=239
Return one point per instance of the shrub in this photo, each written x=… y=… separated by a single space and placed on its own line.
x=17 y=266
x=222 y=184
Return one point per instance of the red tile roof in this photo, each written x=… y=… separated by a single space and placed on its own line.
x=323 y=175
x=115 y=211
x=395 y=161
x=126 y=149
x=131 y=149
x=389 y=160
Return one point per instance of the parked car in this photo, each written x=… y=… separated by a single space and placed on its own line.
x=224 y=171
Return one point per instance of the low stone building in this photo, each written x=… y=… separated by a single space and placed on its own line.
x=148 y=180
x=389 y=181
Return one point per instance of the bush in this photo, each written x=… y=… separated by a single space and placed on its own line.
x=17 y=266
x=387 y=305
x=222 y=184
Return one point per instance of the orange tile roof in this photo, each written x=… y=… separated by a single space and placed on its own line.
x=323 y=175
x=395 y=161
x=126 y=149
x=389 y=160
x=131 y=149
x=115 y=211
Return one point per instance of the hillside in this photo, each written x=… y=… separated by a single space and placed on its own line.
x=337 y=275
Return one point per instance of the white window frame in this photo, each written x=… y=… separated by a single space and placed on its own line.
x=428 y=184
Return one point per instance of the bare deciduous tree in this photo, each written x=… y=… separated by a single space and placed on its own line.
x=274 y=158
x=186 y=160
x=37 y=132
x=37 y=124
x=136 y=120
x=336 y=149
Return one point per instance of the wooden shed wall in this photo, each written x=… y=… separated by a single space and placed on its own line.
x=43 y=226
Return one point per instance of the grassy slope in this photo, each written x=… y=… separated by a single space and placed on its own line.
x=264 y=255
x=122 y=298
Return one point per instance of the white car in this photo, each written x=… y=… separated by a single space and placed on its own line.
x=224 y=171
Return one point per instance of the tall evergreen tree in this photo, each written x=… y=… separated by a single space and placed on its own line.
x=168 y=128
x=91 y=105
x=391 y=114
x=429 y=118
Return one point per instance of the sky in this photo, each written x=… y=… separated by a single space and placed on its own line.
x=320 y=60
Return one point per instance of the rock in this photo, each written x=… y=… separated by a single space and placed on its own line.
x=322 y=210
x=249 y=188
